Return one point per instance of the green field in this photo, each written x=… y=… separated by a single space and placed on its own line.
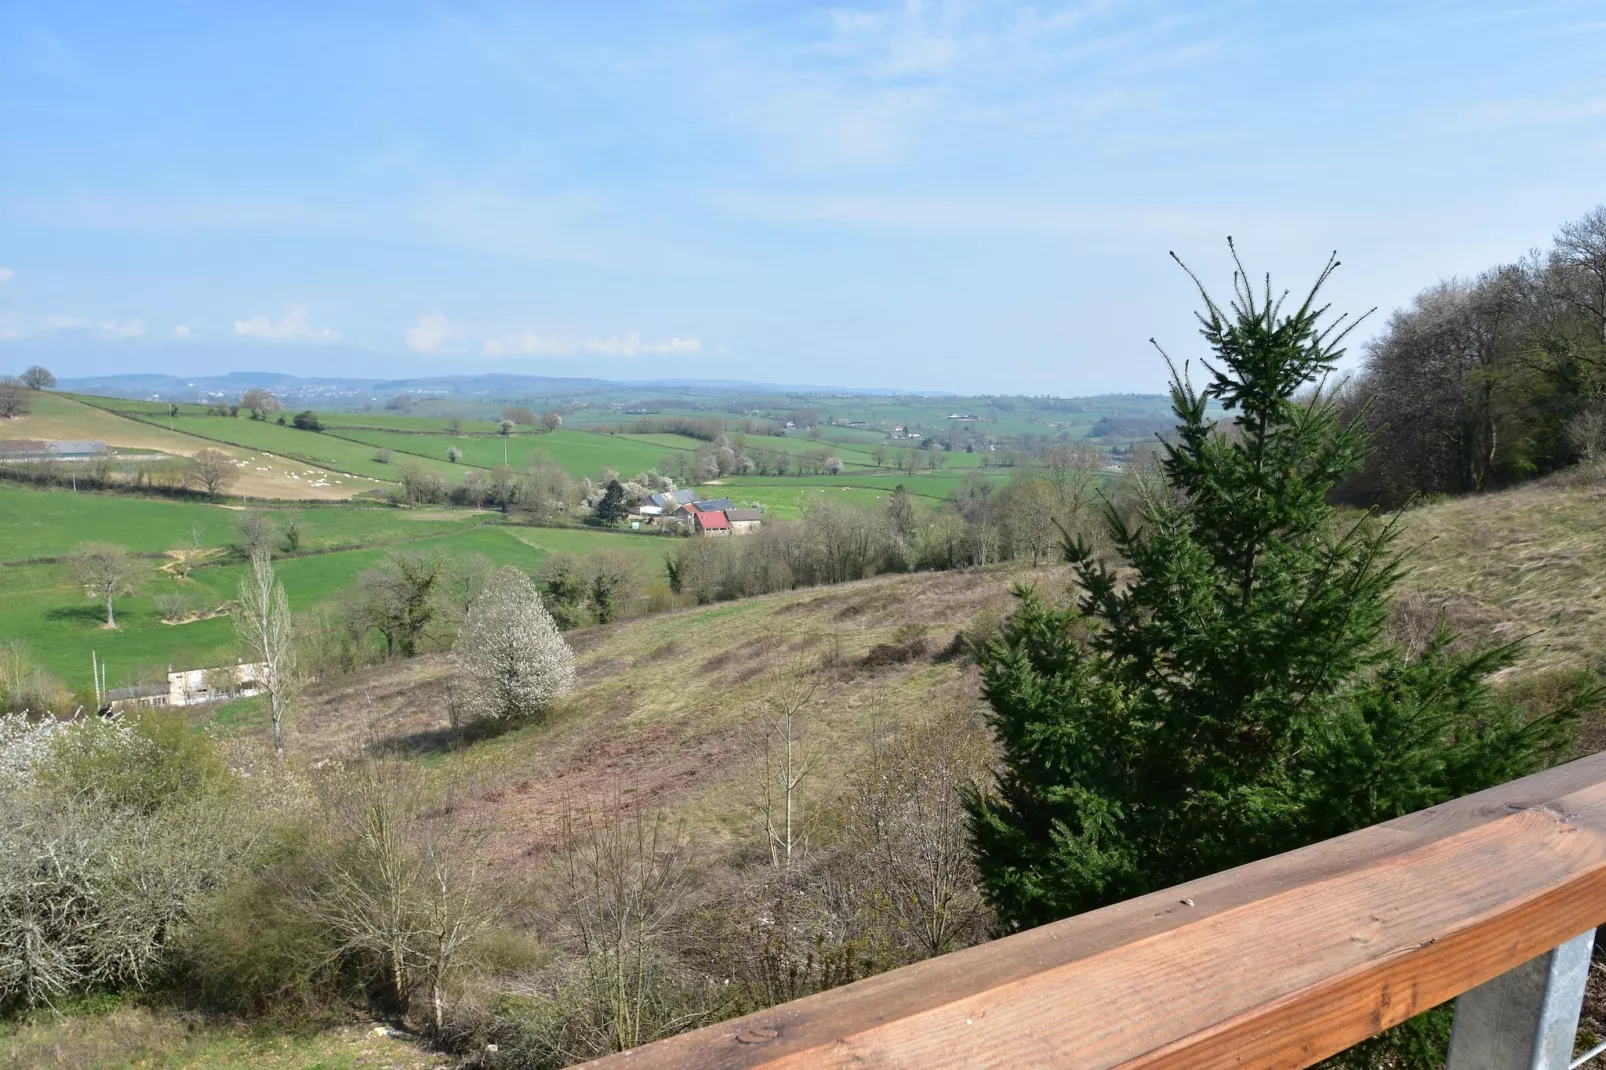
x=46 y=610
x=579 y=453
x=49 y=523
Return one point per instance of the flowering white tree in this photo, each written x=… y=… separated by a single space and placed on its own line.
x=511 y=657
x=262 y=622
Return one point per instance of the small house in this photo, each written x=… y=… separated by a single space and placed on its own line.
x=192 y=687
x=712 y=523
x=714 y=505
x=744 y=521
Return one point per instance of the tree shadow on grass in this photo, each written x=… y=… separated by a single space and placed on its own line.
x=441 y=740
x=90 y=613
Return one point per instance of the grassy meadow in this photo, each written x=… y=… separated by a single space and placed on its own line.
x=47 y=611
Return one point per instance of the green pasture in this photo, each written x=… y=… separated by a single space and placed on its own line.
x=46 y=610
x=579 y=453
x=312 y=447
x=49 y=523
x=391 y=421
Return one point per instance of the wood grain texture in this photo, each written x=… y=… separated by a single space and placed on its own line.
x=1279 y=963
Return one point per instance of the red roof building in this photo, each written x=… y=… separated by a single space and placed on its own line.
x=712 y=523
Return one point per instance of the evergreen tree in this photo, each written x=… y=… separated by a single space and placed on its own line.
x=1234 y=695
x=612 y=509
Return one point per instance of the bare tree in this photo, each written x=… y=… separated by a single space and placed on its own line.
x=13 y=398
x=551 y=421
x=513 y=660
x=618 y=896
x=910 y=867
x=546 y=489
x=1581 y=251
x=254 y=533
x=1586 y=433
x=399 y=881
x=212 y=470
x=262 y=623
x=186 y=558
x=465 y=578
x=785 y=757
x=107 y=572
x=38 y=378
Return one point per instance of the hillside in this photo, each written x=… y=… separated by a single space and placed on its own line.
x=665 y=701
x=664 y=715
x=263 y=474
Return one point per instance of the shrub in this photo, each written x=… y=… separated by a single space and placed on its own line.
x=174 y=606
x=909 y=643
x=117 y=831
x=307 y=420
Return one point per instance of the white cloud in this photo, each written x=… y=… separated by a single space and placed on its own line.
x=628 y=344
x=114 y=330
x=183 y=330
x=106 y=330
x=7 y=274
x=291 y=327
x=430 y=333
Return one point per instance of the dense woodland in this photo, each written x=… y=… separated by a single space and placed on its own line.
x=1485 y=382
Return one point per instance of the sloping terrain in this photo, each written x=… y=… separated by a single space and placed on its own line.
x=1526 y=564
x=665 y=712
x=262 y=474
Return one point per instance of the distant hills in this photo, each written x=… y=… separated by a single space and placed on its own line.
x=480 y=387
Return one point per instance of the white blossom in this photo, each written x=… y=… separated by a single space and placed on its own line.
x=512 y=659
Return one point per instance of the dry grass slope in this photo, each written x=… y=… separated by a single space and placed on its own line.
x=1525 y=564
x=666 y=705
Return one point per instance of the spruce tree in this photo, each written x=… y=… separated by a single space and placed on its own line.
x=1230 y=693
x=612 y=509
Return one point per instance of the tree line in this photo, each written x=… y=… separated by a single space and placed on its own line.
x=1485 y=382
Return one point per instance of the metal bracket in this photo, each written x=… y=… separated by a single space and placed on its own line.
x=1527 y=1018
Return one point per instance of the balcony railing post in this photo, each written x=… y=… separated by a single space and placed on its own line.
x=1527 y=1018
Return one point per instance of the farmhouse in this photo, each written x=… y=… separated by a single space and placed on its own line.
x=717 y=516
x=744 y=521
x=712 y=523
x=191 y=687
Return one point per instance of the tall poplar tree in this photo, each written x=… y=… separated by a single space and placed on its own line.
x=1230 y=694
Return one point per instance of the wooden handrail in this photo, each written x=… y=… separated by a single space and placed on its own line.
x=1279 y=963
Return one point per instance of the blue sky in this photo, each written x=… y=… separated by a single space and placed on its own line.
x=968 y=196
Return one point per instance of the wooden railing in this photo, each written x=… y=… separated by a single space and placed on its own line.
x=1280 y=963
